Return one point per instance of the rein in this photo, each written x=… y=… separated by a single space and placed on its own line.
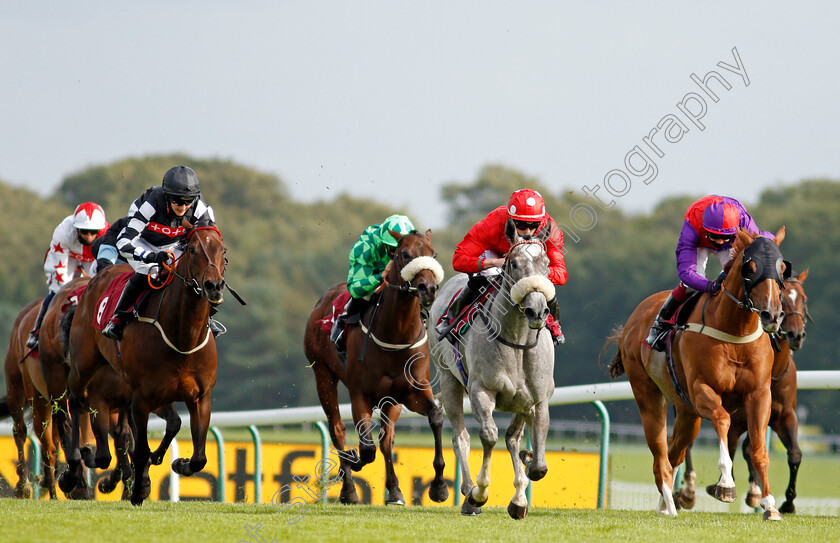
x=718 y=334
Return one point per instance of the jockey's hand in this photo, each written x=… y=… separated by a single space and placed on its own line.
x=717 y=284
x=494 y=263
x=387 y=269
x=156 y=258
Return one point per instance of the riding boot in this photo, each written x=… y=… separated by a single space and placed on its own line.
x=32 y=341
x=660 y=326
x=465 y=297
x=556 y=332
x=132 y=290
x=215 y=326
x=355 y=305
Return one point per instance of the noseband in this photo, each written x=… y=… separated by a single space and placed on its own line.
x=190 y=281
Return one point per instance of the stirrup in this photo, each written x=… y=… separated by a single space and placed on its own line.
x=113 y=329
x=216 y=327
x=658 y=332
x=559 y=339
x=32 y=340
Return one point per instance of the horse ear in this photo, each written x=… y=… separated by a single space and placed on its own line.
x=429 y=233
x=510 y=231
x=802 y=276
x=396 y=235
x=780 y=235
x=742 y=239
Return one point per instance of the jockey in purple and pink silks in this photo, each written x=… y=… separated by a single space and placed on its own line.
x=709 y=228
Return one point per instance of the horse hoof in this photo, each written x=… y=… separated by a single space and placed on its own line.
x=526 y=456
x=349 y=497
x=721 y=493
x=472 y=501
x=102 y=462
x=181 y=466
x=24 y=491
x=772 y=514
x=753 y=499
x=66 y=482
x=147 y=488
x=686 y=500
x=517 y=512
x=87 y=453
x=105 y=485
x=394 y=498
x=80 y=493
x=438 y=492
x=156 y=459
x=469 y=510
x=136 y=501
x=535 y=474
x=787 y=508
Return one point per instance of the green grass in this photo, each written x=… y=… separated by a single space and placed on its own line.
x=202 y=521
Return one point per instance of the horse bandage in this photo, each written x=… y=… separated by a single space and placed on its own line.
x=527 y=285
x=419 y=264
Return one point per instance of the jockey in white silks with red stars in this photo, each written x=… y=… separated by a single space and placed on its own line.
x=70 y=254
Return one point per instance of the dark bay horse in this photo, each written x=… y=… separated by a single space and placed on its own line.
x=721 y=364
x=167 y=355
x=783 y=419
x=39 y=378
x=387 y=365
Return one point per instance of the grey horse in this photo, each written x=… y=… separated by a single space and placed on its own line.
x=508 y=359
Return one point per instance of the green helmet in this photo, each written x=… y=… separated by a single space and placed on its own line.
x=397 y=223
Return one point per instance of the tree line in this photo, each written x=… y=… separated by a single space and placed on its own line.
x=284 y=254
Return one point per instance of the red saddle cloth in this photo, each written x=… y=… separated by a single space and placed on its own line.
x=108 y=301
x=338 y=305
x=73 y=298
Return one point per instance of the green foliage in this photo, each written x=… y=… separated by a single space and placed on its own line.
x=284 y=254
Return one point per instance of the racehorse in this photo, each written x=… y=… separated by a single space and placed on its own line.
x=783 y=419
x=168 y=354
x=387 y=365
x=719 y=366
x=39 y=377
x=508 y=364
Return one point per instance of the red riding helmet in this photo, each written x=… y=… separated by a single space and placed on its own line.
x=526 y=205
x=89 y=216
x=721 y=218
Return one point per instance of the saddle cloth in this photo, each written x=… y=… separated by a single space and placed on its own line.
x=465 y=317
x=73 y=298
x=108 y=301
x=338 y=305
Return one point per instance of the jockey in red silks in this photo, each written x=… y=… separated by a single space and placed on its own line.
x=70 y=254
x=709 y=228
x=480 y=252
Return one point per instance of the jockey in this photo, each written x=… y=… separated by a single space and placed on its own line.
x=70 y=254
x=369 y=259
x=709 y=228
x=154 y=234
x=105 y=246
x=479 y=252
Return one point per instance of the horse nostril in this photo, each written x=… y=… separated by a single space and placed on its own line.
x=544 y=314
x=530 y=313
x=765 y=316
x=213 y=285
x=422 y=288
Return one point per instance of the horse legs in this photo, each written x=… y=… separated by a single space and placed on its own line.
x=686 y=427
x=536 y=467
x=142 y=485
x=390 y=413
x=199 y=424
x=17 y=403
x=708 y=405
x=787 y=428
x=423 y=402
x=754 y=493
x=173 y=425
x=686 y=496
x=326 y=383
x=757 y=408
x=42 y=423
x=100 y=421
x=518 y=506
x=122 y=436
x=362 y=412
x=73 y=477
x=483 y=403
x=452 y=396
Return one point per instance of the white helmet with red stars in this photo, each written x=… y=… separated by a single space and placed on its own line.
x=89 y=216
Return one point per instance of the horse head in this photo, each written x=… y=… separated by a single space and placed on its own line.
x=415 y=264
x=202 y=265
x=526 y=273
x=761 y=276
x=795 y=304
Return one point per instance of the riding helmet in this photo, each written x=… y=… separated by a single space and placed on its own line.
x=181 y=181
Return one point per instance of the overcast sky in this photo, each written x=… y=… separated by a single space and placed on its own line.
x=390 y=100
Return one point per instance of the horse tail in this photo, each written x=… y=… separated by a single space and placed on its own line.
x=4 y=407
x=616 y=367
x=64 y=329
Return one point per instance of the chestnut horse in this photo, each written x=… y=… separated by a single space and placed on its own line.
x=39 y=377
x=387 y=365
x=166 y=355
x=722 y=362
x=783 y=419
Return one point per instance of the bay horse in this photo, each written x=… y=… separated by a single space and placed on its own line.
x=39 y=377
x=387 y=364
x=783 y=419
x=168 y=354
x=719 y=366
x=508 y=364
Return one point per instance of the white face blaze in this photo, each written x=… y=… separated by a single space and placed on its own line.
x=792 y=294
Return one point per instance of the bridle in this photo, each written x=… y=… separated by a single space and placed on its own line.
x=191 y=282
x=765 y=269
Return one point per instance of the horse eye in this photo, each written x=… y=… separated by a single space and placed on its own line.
x=513 y=264
x=192 y=250
x=405 y=255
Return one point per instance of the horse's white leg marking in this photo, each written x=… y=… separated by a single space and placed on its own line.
x=666 y=502
x=725 y=465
